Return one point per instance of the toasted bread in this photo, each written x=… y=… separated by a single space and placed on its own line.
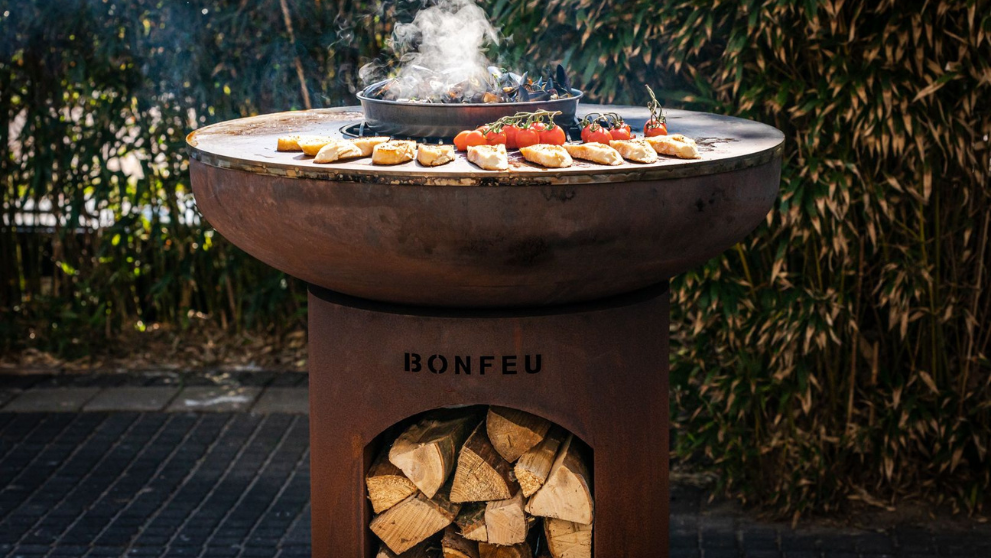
x=311 y=145
x=547 y=155
x=394 y=152
x=367 y=145
x=434 y=155
x=288 y=143
x=636 y=150
x=596 y=152
x=336 y=151
x=489 y=157
x=675 y=145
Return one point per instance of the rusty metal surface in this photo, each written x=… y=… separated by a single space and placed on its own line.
x=479 y=246
x=447 y=119
x=248 y=144
x=603 y=375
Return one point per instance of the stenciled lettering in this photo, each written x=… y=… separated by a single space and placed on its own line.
x=507 y=365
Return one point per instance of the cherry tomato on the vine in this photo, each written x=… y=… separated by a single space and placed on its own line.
x=655 y=128
x=493 y=138
x=553 y=135
x=511 y=131
x=468 y=138
x=620 y=131
x=526 y=137
x=597 y=134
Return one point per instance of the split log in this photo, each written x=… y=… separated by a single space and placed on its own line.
x=566 y=494
x=427 y=451
x=486 y=550
x=532 y=469
x=471 y=521
x=568 y=540
x=513 y=432
x=387 y=485
x=482 y=473
x=456 y=546
x=421 y=550
x=505 y=521
x=413 y=520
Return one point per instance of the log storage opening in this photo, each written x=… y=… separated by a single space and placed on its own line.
x=482 y=483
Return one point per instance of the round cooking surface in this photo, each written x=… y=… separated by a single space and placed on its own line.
x=458 y=236
x=725 y=144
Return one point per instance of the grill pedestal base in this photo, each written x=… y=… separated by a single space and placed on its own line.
x=599 y=369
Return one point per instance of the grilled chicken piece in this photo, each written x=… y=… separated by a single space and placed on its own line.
x=288 y=143
x=596 y=152
x=394 y=152
x=675 y=145
x=636 y=150
x=547 y=155
x=489 y=157
x=367 y=145
x=311 y=145
x=336 y=151
x=434 y=155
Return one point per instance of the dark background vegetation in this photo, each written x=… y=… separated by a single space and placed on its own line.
x=839 y=354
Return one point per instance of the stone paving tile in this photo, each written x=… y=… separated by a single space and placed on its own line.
x=216 y=485
x=214 y=399
x=292 y=400
x=132 y=399
x=53 y=400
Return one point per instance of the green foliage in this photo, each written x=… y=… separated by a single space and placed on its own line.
x=839 y=353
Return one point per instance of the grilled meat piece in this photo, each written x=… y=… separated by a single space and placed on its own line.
x=595 y=152
x=434 y=155
x=675 y=145
x=547 y=155
x=636 y=150
x=489 y=157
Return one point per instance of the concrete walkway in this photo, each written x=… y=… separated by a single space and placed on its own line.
x=170 y=465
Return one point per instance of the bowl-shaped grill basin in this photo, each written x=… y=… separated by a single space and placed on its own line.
x=446 y=120
x=496 y=245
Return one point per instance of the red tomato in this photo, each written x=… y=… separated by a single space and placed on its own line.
x=620 y=132
x=461 y=140
x=492 y=138
x=538 y=127
x=553 y=135
x=654 y=128
x=585 y=130
x=598 y=134
x=510 y=132
x=527 y=137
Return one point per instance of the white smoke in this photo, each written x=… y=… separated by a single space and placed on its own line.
x=443 y=46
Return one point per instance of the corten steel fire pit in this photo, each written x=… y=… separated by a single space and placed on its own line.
x=568 y=267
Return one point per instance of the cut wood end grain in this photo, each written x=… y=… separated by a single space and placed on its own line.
x=482 y=474
x=427 y=451
x=513 y=432
x=413 y=520
x=387 y=485
x=567 y=493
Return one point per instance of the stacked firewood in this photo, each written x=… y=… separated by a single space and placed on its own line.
x=460 y=485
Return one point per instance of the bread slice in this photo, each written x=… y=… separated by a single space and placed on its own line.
x=489 y=157
x=288 y=143
x=434 y=155
x=394 y=152
x=367 y=145
x=596 y=152
x=336 y=151
x=547 y=155
x=636 y=150
x=675 y=145
x=311 y=145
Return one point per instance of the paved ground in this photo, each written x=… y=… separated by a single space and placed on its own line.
x=182 y=475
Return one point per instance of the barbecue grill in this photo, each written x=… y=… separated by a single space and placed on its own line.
x=568 y=264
